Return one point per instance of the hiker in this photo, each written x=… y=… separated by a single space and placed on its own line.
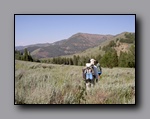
x=93 y=62
x=90 y=73
x=99 y=69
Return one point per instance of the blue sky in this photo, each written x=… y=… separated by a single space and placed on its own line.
x=33 y=29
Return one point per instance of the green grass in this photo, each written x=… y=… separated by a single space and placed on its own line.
x=39 y=83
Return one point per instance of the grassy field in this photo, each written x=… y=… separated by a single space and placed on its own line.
x=39 y=83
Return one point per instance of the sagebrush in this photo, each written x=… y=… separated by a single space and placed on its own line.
x=39 y=83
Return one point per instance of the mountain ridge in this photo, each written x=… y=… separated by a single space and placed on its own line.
x=59 y=42
x=76 y=43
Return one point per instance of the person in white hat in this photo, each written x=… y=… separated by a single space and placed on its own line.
x=88 y=82
x=93 y=62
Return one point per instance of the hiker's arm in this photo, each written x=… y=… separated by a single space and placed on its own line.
x=96 y=72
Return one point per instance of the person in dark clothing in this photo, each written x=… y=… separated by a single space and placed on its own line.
x=99 y=70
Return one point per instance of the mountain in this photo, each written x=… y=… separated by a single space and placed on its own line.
x=124 y=47
x=20 y=47
x=74 y=44
x=33 y=45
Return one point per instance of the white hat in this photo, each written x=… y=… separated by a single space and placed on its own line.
x=92 y=61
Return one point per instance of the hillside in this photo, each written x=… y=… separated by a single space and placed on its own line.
x=124 y=47
x=33 y=45
x=74 y=44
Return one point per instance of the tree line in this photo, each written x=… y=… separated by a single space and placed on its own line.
x=109 y=59
x=129 y=38
x=23 y=56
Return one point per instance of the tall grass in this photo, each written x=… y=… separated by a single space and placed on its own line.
x=39 y=83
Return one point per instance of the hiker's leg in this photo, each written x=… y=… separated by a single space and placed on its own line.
x=93 y=82
x=92 y=85
x=88 y=84
x=97 y=80
x=99 y=75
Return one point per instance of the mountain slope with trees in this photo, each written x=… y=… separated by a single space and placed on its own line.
x=117 y=52
x=76 y=43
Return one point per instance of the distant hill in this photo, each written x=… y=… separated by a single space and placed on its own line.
x=124 y=47
x=74 y=44
x=34 y=45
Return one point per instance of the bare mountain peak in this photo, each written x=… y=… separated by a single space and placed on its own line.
x=86 y=35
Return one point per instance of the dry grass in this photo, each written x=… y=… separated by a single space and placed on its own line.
x=39 y=83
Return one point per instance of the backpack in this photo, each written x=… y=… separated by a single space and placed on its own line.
x=88 y=72
x=99 y=68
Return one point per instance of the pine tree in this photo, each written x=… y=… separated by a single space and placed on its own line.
x=25 y=54
x=70 y=61
x=114 y=58
x=78 y=59
x=122 y=62
x=109 y=59
x=131 y=56
x=58 y=60
x=54 y=60
x=105 y=60
x=29 y=57
x=65 y=61
x=98 y=58
x=75 y=60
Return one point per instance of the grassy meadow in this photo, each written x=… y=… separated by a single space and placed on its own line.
x=39 y=83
